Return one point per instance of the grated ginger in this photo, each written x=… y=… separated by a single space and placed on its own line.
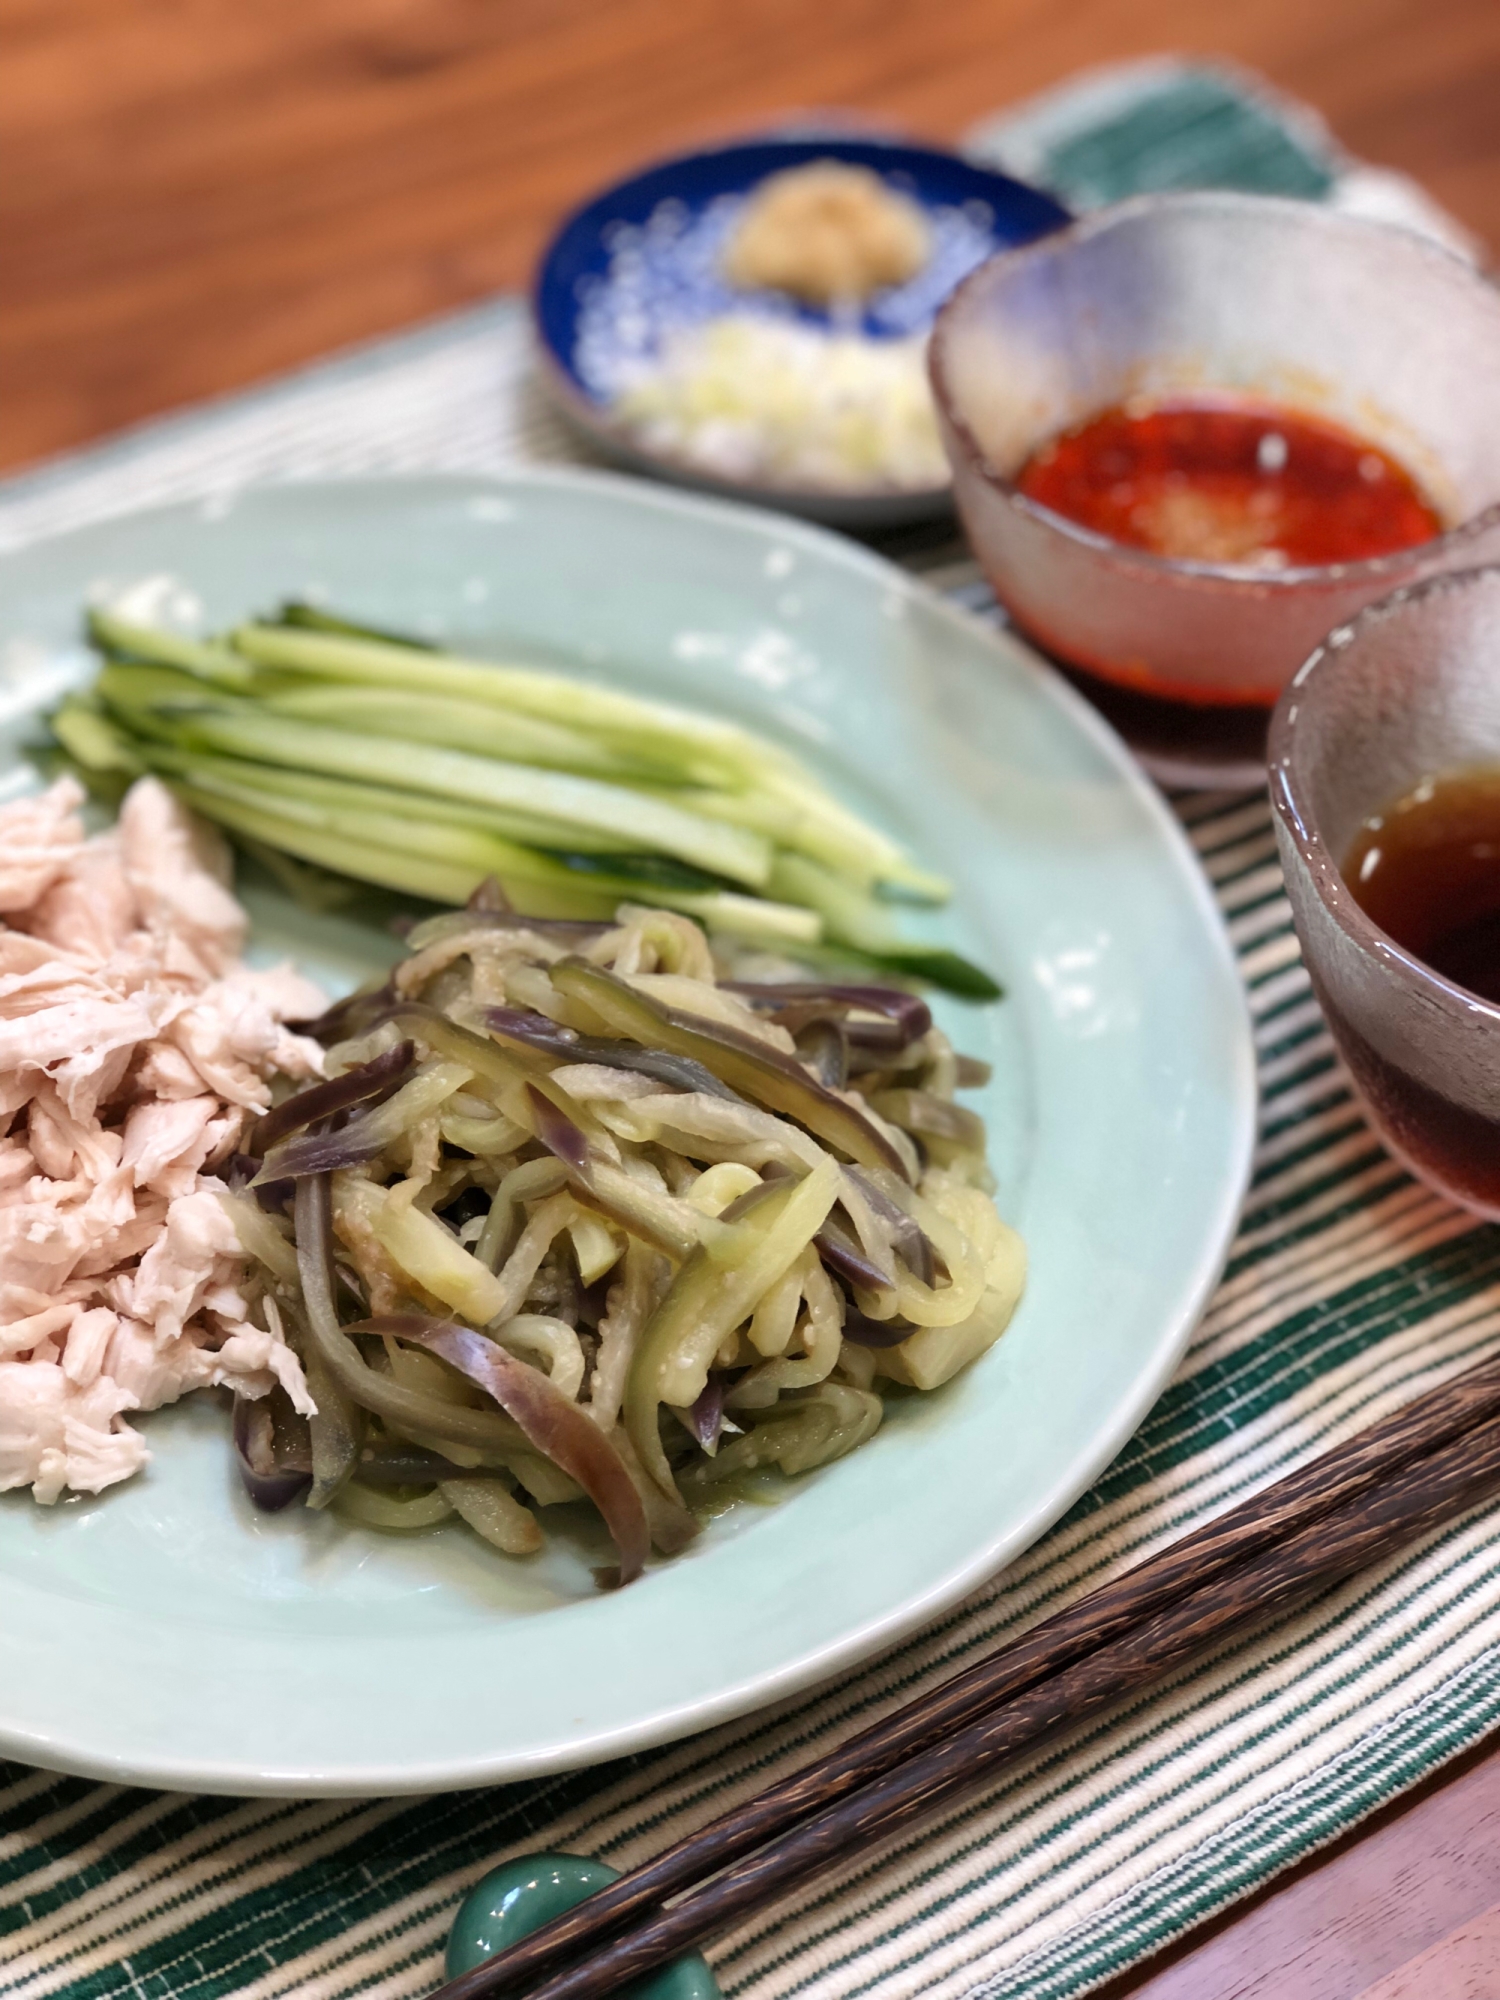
x=827 y=233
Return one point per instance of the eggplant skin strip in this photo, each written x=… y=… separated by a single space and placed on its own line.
x=536 y=1031
x=557 y=1428
x=379 y=1077
x=759 y=1072
x=809 y=1000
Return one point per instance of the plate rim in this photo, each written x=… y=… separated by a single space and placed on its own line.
x=809 y=1668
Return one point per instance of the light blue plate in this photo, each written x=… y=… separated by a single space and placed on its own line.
x=165 y=1634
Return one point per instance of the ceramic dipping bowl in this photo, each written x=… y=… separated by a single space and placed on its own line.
x=1404 y=694
x=1372 y=327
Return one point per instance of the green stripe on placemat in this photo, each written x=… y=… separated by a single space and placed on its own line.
x=1192 y=131
x=1349 y=1290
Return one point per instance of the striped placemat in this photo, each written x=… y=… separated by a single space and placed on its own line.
x=1349 y=1289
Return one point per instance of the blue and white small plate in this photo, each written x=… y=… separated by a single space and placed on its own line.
x=642 y=259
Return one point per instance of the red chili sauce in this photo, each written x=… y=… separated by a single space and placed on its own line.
x=1226 y=482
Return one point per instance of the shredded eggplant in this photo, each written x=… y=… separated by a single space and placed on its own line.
x=273 y=1448
x=777 y=1081
x=377 y=1079
x=706 y=1417
x=794 y=1002
x=577 y=1219
x=510 y=1024
x=824 y=1047
x=873 y=1332
x=374 y=1125
x=556 y=1428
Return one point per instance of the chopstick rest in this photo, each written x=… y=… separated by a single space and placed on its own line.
x=519 y=1896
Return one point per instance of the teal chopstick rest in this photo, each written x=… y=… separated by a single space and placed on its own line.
x=520 y=1896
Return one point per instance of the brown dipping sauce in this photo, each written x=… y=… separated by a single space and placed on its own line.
x=1427 y=870
x=1228 y=481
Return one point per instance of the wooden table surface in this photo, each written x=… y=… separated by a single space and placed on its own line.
x=196 y=194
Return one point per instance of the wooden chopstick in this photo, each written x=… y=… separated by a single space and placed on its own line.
x=1313 y=1490
x=1087 y=1633
x=1324 y=1552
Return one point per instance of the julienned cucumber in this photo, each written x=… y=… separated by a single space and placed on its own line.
x=386 y=758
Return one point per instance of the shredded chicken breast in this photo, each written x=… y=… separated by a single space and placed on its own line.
x=134 y=1046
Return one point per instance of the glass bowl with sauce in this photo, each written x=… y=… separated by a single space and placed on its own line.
x=1194 y=432
x=1385 y=774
